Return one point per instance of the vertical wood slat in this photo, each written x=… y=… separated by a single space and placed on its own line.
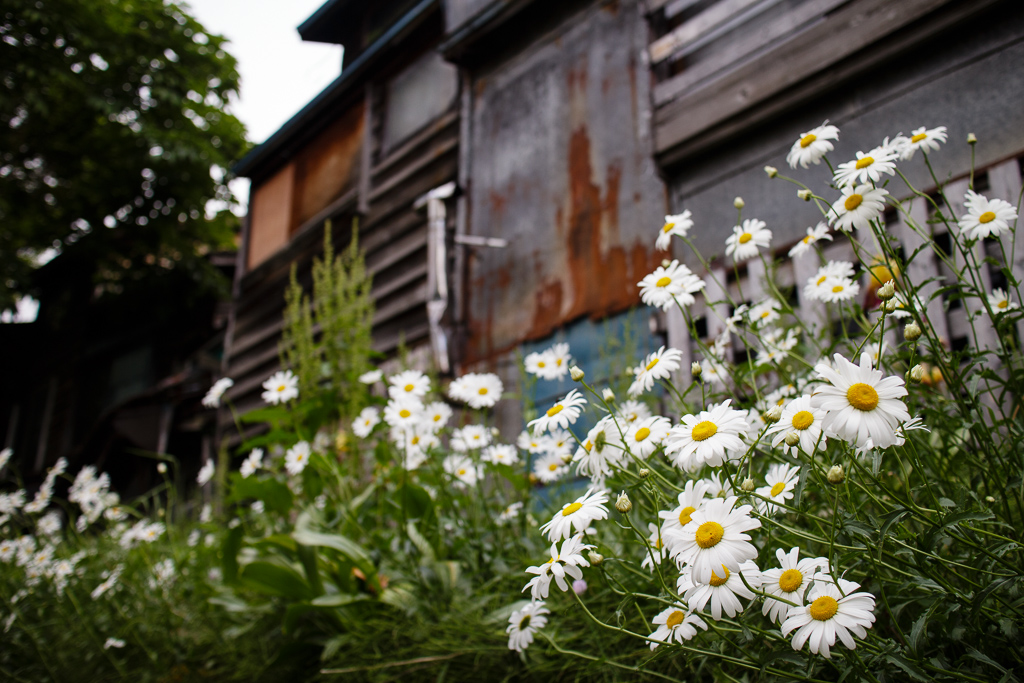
x=982 y=329
x=923 y=269
x=1004 y=182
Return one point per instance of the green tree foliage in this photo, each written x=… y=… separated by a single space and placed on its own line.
x=327 y=341
x=113 y=135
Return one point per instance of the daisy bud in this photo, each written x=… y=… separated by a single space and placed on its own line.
x=644 y=473
x=160 y=513
x=911 y=332
x=696 y=370
x=771 y=171
x=836 y=475
x=971 y=139
x=623 y=504
x=748 y=485
x=792 y=439
x=989 y=499
x=665 y=263
x=567 y=458
x=773 y=414
x=936 y=375
x=804 y=195
x=533 y=479
x=889 y=306
x=739 y=203
x=162 y=468
x=887 y=291
x=608 y=395
x=579 y=586
x=916 y=373
x=576 y=374
x=595 y=558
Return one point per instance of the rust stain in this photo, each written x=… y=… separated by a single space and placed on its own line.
x=498 y=203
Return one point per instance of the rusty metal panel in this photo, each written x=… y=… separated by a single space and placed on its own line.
x=560 y=165
x=329 y=165
x=270 y=215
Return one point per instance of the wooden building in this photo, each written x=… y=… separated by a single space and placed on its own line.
x=569 y=129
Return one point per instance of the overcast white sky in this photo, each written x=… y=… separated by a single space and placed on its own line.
x=280 y=73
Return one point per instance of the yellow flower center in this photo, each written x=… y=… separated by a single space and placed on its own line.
x=555 y=409
x=668 y=226
x=462 y=471
x=558 y=362
x=824 y=608
x=862 y=396
x=807 y=240
x=821 y=279
x=987 y=217
x=864 y=163
x=790 y=580
x=684 y=515
x=587 y=445
x=437 y=418
x=703 y=431
x=853 y=201
x=766 y=314
x=657 y=544
x=541 y=364
x=552 y=467
x=642 y=433
x=803 y=420
x=778 y=488
x=746 y=237
x=404 y=413
x=482 y=391
x=281 y=388
x=652 y=364
x=571 y=508
x=806 y=140
x=709 y=534
x=837 y=289
x=415 y=440
x=1003 y=304
x=716 y=581
x=664 y=281
x=675 y=619
x=410 y=387
x=919 y=137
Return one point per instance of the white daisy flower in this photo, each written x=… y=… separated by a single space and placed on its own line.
x=658 y=365
x=707 y=438
x=559 y=416
x=371 y=377
x=631 y=411
x=510 y=513
x=408 y=383
x=718 y=486
x=500 y=454
x=999 y=301
x=657 y=547
x=470 y=437
x=524 y=623
x=462 y=470
x=561 y=359
x=723 y=589
x=924 y=139
x=839 y=290
x=577 y=515
x=566 y=562
x=436 y=415
x=860 y=404
x=206 y=472
x=790 y=581
x=746 y=239
x=601 y=449
x=297 y=457
x=550 y=467
x=821 y=281
x=213 y=396
x=690 y=499
x=765 y=312
x=900 y=301
x=801 y=418
x=857 y=207
x=368 y=418
x=675 y=624
x=668 y=285
x=678 y=224
x=782 y=480
x=814 y=235
x=867 y=168
x=812 y=146
x=49 y=524
x=281 y=387
x=403 y=414
x=644 y=436
x=12 y=502
x=715 y=538
x=985 y=217
x=561 y=442
x=832 y=612
x=252 y=462
x=714 y=371
x=113 y=642
x=530 y=442
x=5 y=456
x=478 y=390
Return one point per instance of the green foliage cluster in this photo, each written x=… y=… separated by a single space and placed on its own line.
x=326 y=338
x=114 y=139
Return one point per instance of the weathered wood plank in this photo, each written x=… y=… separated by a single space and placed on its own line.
x=690 y=31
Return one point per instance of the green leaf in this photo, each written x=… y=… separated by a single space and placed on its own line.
x=339 y=599
x=229 y=554
x=965 y=517
x=275 y=579
x=275 y=495
x=346 y=547
x=415 y=501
